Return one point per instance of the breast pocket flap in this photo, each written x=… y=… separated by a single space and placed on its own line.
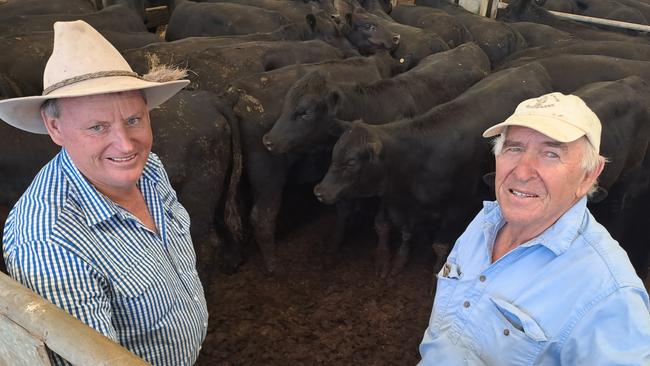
x=520 y=320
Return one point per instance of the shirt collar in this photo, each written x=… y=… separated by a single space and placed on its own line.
x=96 y=206
x=558 y=237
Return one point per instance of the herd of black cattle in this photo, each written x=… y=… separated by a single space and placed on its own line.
x=362 y=100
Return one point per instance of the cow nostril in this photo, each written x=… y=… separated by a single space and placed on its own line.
x=267 y=142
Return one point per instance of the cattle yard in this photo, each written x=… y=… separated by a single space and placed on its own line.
x=329 y=153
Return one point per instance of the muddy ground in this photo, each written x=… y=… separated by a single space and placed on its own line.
x=343 y=315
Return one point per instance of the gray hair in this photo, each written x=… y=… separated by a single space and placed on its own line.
x=590 y=157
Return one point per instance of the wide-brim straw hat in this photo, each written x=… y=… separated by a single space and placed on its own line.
x=82 y=63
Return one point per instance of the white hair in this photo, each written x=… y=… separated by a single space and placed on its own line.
x=590 y=157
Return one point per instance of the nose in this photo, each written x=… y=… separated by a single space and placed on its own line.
x=267 y=143
x=396 y=38
x=526 y=168
x=318 y=193
x=121 y=139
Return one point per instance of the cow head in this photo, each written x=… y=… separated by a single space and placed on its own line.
x=357 y=168
x=367 y=32
x=308 y=115
x=528 y=10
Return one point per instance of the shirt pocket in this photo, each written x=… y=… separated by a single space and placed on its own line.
x=447 y=281
x=140 y=291
x=510 y=336
x=179 y=217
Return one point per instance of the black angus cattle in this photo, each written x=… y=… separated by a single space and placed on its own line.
x=618 y=49
x=608 y=9
x=214 y=67
x=225 y=18
x=255 y=101
x=537 y=35
x=193 y=19
x=413 y=43
x=22 y=56
x=622 y=107
x=14 y=8
x=527 y=10
x=428 y=169
x=314 y=104
x=192 y=138
x=116 y=18
x=434 y=20
x=497 y=39
x=570 y=72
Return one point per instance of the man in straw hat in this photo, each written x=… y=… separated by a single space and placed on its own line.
x=534 y=279
x=99 y=232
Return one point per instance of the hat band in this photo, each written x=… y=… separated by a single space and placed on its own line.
x=93 y=75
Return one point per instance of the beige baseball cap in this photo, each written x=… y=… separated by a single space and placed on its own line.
x=564 y=118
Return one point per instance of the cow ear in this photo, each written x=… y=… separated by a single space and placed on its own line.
x=311 y=21
x=374 y=150
x=333 y=101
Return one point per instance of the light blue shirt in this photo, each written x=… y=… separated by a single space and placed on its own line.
x=81 y=251
x=568 y=297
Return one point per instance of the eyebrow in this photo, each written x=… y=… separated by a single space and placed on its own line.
x=551 y=143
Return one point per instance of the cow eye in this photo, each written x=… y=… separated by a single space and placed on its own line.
x=351 y=163
x=306 y=116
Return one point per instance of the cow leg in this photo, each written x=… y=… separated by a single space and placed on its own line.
x=382 y=253
x=402 y=255
x=333 y=243
x=267 y=177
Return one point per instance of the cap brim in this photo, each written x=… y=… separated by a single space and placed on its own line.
x=554 y=128
x=24 y=113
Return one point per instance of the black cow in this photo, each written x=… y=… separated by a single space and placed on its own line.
x=618 y=49
x=434 y=20
x=192 y=19
x=117 y=18
x=497 y=39
x=570 y=72
x=214 y=67
x=528 y=10
x=255 y=102
x=412 y=43
x=428 y=168
x=22 y=57
x=622 y=107
x=15 y=8
x=312 y=106
x=191 y=136
x=537 y=35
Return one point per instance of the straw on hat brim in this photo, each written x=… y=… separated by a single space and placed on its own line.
x=25 y=113
x=555 y=128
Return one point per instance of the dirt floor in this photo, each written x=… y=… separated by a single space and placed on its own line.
x=344 y=315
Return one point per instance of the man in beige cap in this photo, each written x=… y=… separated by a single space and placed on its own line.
x=534 y=279
x=99 y=232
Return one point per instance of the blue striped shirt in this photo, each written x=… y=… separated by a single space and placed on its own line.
x=83 y=252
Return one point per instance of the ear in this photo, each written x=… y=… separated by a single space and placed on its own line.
x=333 y=101
x=590 y=178
x=53 y=126
x=311 y=21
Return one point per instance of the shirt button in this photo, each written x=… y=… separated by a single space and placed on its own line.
x=506 y=332
x=482 y=278
x=466 y=304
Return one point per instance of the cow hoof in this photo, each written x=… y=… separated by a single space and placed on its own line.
x=382 y=262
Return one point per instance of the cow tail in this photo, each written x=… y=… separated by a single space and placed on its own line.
x=233 y=215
